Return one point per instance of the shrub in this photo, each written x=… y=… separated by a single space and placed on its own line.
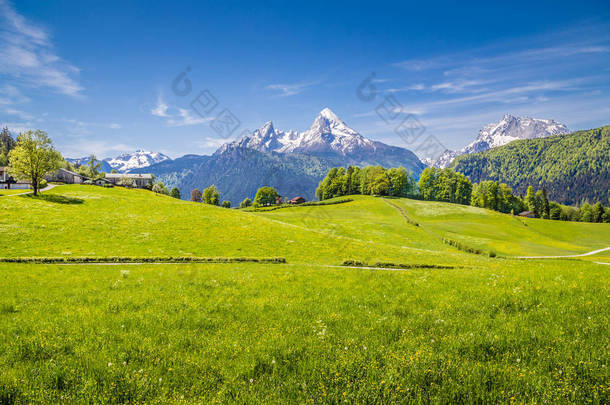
x=245 y=203
x=211 y=195
x=226 y=204
x=196 y=195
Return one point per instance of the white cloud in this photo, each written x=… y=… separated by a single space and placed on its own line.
x=22 y=115
x=289 y=89
x=186 y=118
x=177 y=117
x=27 y=55
x=114 y=125
x=160 y=110
x=210 y=142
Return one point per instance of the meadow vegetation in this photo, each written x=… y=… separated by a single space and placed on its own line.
x=437 y=324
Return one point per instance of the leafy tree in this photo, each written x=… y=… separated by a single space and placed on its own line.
x=427 y=183
x=539 y=204
x=94 y=166
x=445 y=185
x=160 y=188
x=211 y=195
x=265 y=196
x=586 y=214
x=606 y=216
x=113 y=171
x=7 y=143
x=245 y=203
x=597 y=212
x=554 y=211
x=175 y=192
x=33 y=158
x=545 y=203
x=226 y=204
x=196 y=195
x=126 y=182
x=530 y=201
x=401 y=183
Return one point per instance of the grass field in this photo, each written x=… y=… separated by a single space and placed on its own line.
x=488 y=330
x=11 y=191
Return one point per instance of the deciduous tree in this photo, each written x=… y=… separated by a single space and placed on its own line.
x=33 y=158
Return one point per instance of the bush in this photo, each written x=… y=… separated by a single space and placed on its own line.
x=196 y=195
x=226 y=204
x=211 y=195
x=245 y=203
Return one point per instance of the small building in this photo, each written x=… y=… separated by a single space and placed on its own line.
x=141 y=180
x=297 y=200
x=66 y=176
x=7 y=181
x=102 y=182
x=527 y=214
x=278 y=200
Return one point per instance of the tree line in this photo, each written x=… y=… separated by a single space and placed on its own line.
x=447 y=185
x=369 y=180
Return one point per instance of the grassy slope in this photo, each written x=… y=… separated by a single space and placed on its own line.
x=280 y=334
x=93 y=221
x=507 y=234
x=372 y=219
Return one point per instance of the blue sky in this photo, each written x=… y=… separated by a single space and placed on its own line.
x=97 y=76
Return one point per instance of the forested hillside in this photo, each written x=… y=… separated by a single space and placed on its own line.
x=572 y=167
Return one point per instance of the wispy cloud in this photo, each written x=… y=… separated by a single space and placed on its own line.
x=175 y=116
x=289 y=89
x=27 y=55
x=187 y=117
x=160 y=109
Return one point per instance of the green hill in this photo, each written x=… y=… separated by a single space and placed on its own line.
x=478 y=330
x=93 y=221
x=572 y=167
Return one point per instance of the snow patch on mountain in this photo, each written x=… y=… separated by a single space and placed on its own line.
x=327 y=135
x=136 y=160
x=508 y=129
x=126 y=161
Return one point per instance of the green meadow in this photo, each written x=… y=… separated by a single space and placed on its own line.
x=486 y=330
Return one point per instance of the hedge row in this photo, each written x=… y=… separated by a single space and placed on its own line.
x=468 y=249
x=356 y=263
x=305 y=204
x=145 y=259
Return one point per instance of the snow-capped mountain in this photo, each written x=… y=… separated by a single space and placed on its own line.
x=510 y=128
x=136 y=160
x=327 y=136
x=126 y=161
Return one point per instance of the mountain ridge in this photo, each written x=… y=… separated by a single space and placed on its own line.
x=294 y=162
x=508 y=129
x=571 y=167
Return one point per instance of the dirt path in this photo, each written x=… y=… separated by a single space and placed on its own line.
x=560 y=257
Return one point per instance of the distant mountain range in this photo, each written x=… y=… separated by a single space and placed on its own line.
x=293 y=162
x=508 y=129
x=571 y=167
x=126 y=162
